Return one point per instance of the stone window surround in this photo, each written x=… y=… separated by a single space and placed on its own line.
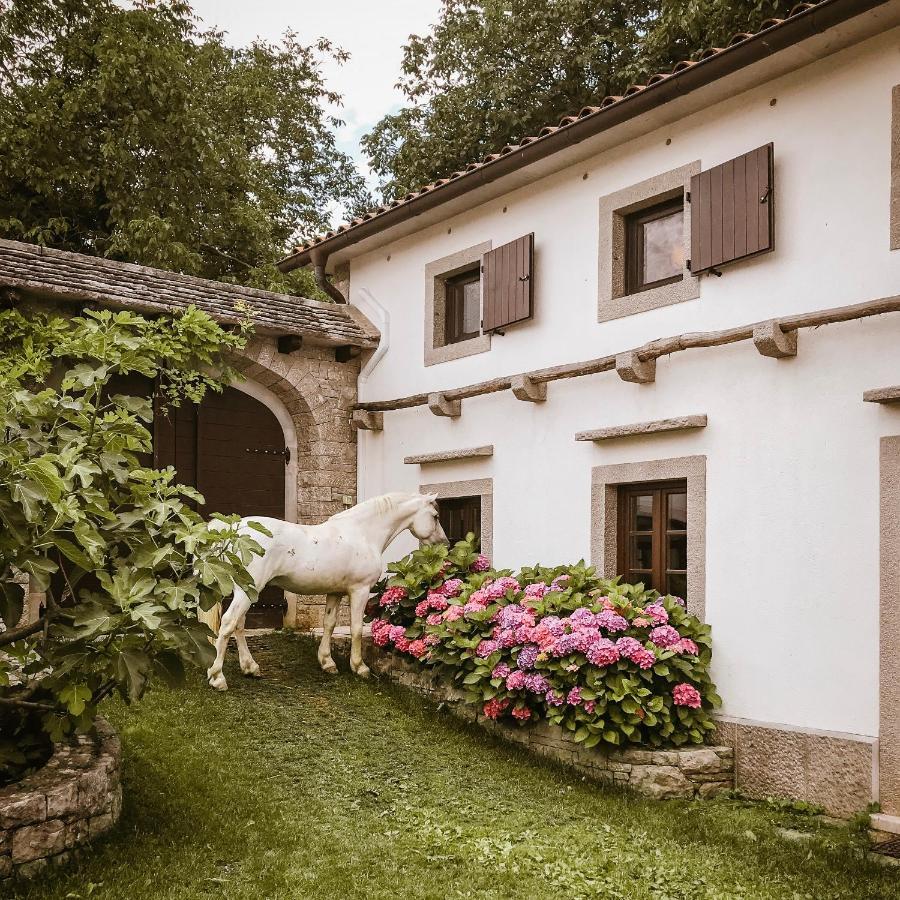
x=479 y=487
x=605 y=481
x=895 y=168
x=436 y=275
x=613 y=302
x=889 y=634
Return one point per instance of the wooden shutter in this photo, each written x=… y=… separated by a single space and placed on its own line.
x=732 y=210
x=507 y=284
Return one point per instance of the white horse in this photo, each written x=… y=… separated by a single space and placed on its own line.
x=342 y=556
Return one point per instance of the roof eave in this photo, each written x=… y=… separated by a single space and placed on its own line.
x=729 y=60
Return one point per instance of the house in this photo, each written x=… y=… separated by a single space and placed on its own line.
x=663 y=335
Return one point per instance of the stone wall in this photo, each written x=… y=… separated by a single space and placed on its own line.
x=74 y=798
x=696 y=771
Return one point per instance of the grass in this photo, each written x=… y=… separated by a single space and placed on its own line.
x=303 y=785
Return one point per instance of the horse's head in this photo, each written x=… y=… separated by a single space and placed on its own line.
x=426 y=525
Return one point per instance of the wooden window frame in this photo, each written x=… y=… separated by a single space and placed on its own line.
x=634 y=244
x=454 y=305
x=659 y=532
x=450 y=504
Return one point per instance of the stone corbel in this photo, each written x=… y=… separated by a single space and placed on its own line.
x=364 y=420
x=630 y=368
x=524 y=387
x=770 y=340
x=441 y=406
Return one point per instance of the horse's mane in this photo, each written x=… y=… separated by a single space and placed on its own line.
x=378 y=505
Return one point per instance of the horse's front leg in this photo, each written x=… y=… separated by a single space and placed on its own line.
x=358 y=600
x=332 y=605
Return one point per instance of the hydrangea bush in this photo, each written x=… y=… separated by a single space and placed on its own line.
x=614 y=663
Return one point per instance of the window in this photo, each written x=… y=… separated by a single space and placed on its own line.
x=459 y=516
x=654 y=246
x=653 y=536
x=462 y=307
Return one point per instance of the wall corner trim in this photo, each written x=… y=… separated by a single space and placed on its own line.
x=658 y=426
x=424 y=459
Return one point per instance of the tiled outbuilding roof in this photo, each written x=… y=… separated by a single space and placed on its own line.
x=39 y=271
x=551 y=133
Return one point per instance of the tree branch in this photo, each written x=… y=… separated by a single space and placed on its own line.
x=17 y=634
x=28 y=704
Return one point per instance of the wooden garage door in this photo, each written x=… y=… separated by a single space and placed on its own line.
x=232 y=450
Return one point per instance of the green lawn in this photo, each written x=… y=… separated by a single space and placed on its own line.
x=304 y=785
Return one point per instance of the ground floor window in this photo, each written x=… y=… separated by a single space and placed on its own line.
x=653 y=535
x=460 y=516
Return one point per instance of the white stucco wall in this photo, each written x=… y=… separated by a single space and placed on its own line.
x=792 y=451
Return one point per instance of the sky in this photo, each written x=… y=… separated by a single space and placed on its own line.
x=372 y=31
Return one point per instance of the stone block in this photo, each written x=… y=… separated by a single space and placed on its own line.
x=699 y=761
x=92 y=791
x=99 y=825
x=712 y=788
x=62 y=800
x=6 y=866
x=33 y=842
x=661 y=782
x=22 y=810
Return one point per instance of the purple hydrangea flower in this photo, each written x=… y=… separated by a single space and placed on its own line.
x=665 y=636
x=528 y=656
x=611 y=621
x=536 y=683
x=554 y=698
x=486 y=648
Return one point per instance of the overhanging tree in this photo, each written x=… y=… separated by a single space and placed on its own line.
x=126 y=131
x=124 y=557
x=492 y=71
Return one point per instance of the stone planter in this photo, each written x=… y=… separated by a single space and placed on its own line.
x=683 y=773
x=74 y=798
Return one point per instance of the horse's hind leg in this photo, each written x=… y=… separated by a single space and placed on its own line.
x=249 y=665
x=332 y=605
x=234 y=615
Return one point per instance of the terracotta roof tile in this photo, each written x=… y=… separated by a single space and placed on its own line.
x=565 y=122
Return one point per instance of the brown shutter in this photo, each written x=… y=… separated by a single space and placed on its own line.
x=732 y=210
x=507 y=284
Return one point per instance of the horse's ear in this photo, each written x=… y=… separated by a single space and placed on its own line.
x=432 y=498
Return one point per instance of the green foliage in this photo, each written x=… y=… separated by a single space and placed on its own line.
x=127 y=132
x=551 y=643
x=123 y=555
x=494 y=71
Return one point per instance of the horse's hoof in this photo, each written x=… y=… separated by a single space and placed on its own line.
x=364 y=671
x=218 y=682
x=329 y=667
x=252 y=671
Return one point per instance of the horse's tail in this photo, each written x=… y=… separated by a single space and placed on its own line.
x=211 y=617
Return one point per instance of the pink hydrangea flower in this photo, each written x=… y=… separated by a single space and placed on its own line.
x=486 y=648
x=686 y=695
x=536 y=683
x=573 y=698
x=417 y=648
x=523 y=713
x=507 y=639
x=434 y=619
x=402 y=644
x=422 y=608
x=536 y=591
x=559 y=583
x=665 y=636
x=641 y=622
x=686 y=645
x=397 y=632
x=643 y=658
x=515 y=680
x=431 y=640
x=611 y=621
x=657 y=613
x=589 y=706
x=381 y=633
x=392 y=596
x=501 y=670
x=481 y=564
x=454 y=613
x=495 y=708
x=554 y=698
x=452 y=587
x=604 y=653
x=628 y=645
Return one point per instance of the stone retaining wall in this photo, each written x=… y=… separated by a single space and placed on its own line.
x=697 y=771
x=73 y=799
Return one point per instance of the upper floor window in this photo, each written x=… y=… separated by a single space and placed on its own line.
x=462 y=307
x=654 y=246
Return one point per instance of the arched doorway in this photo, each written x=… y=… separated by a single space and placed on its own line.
x=233 y=449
